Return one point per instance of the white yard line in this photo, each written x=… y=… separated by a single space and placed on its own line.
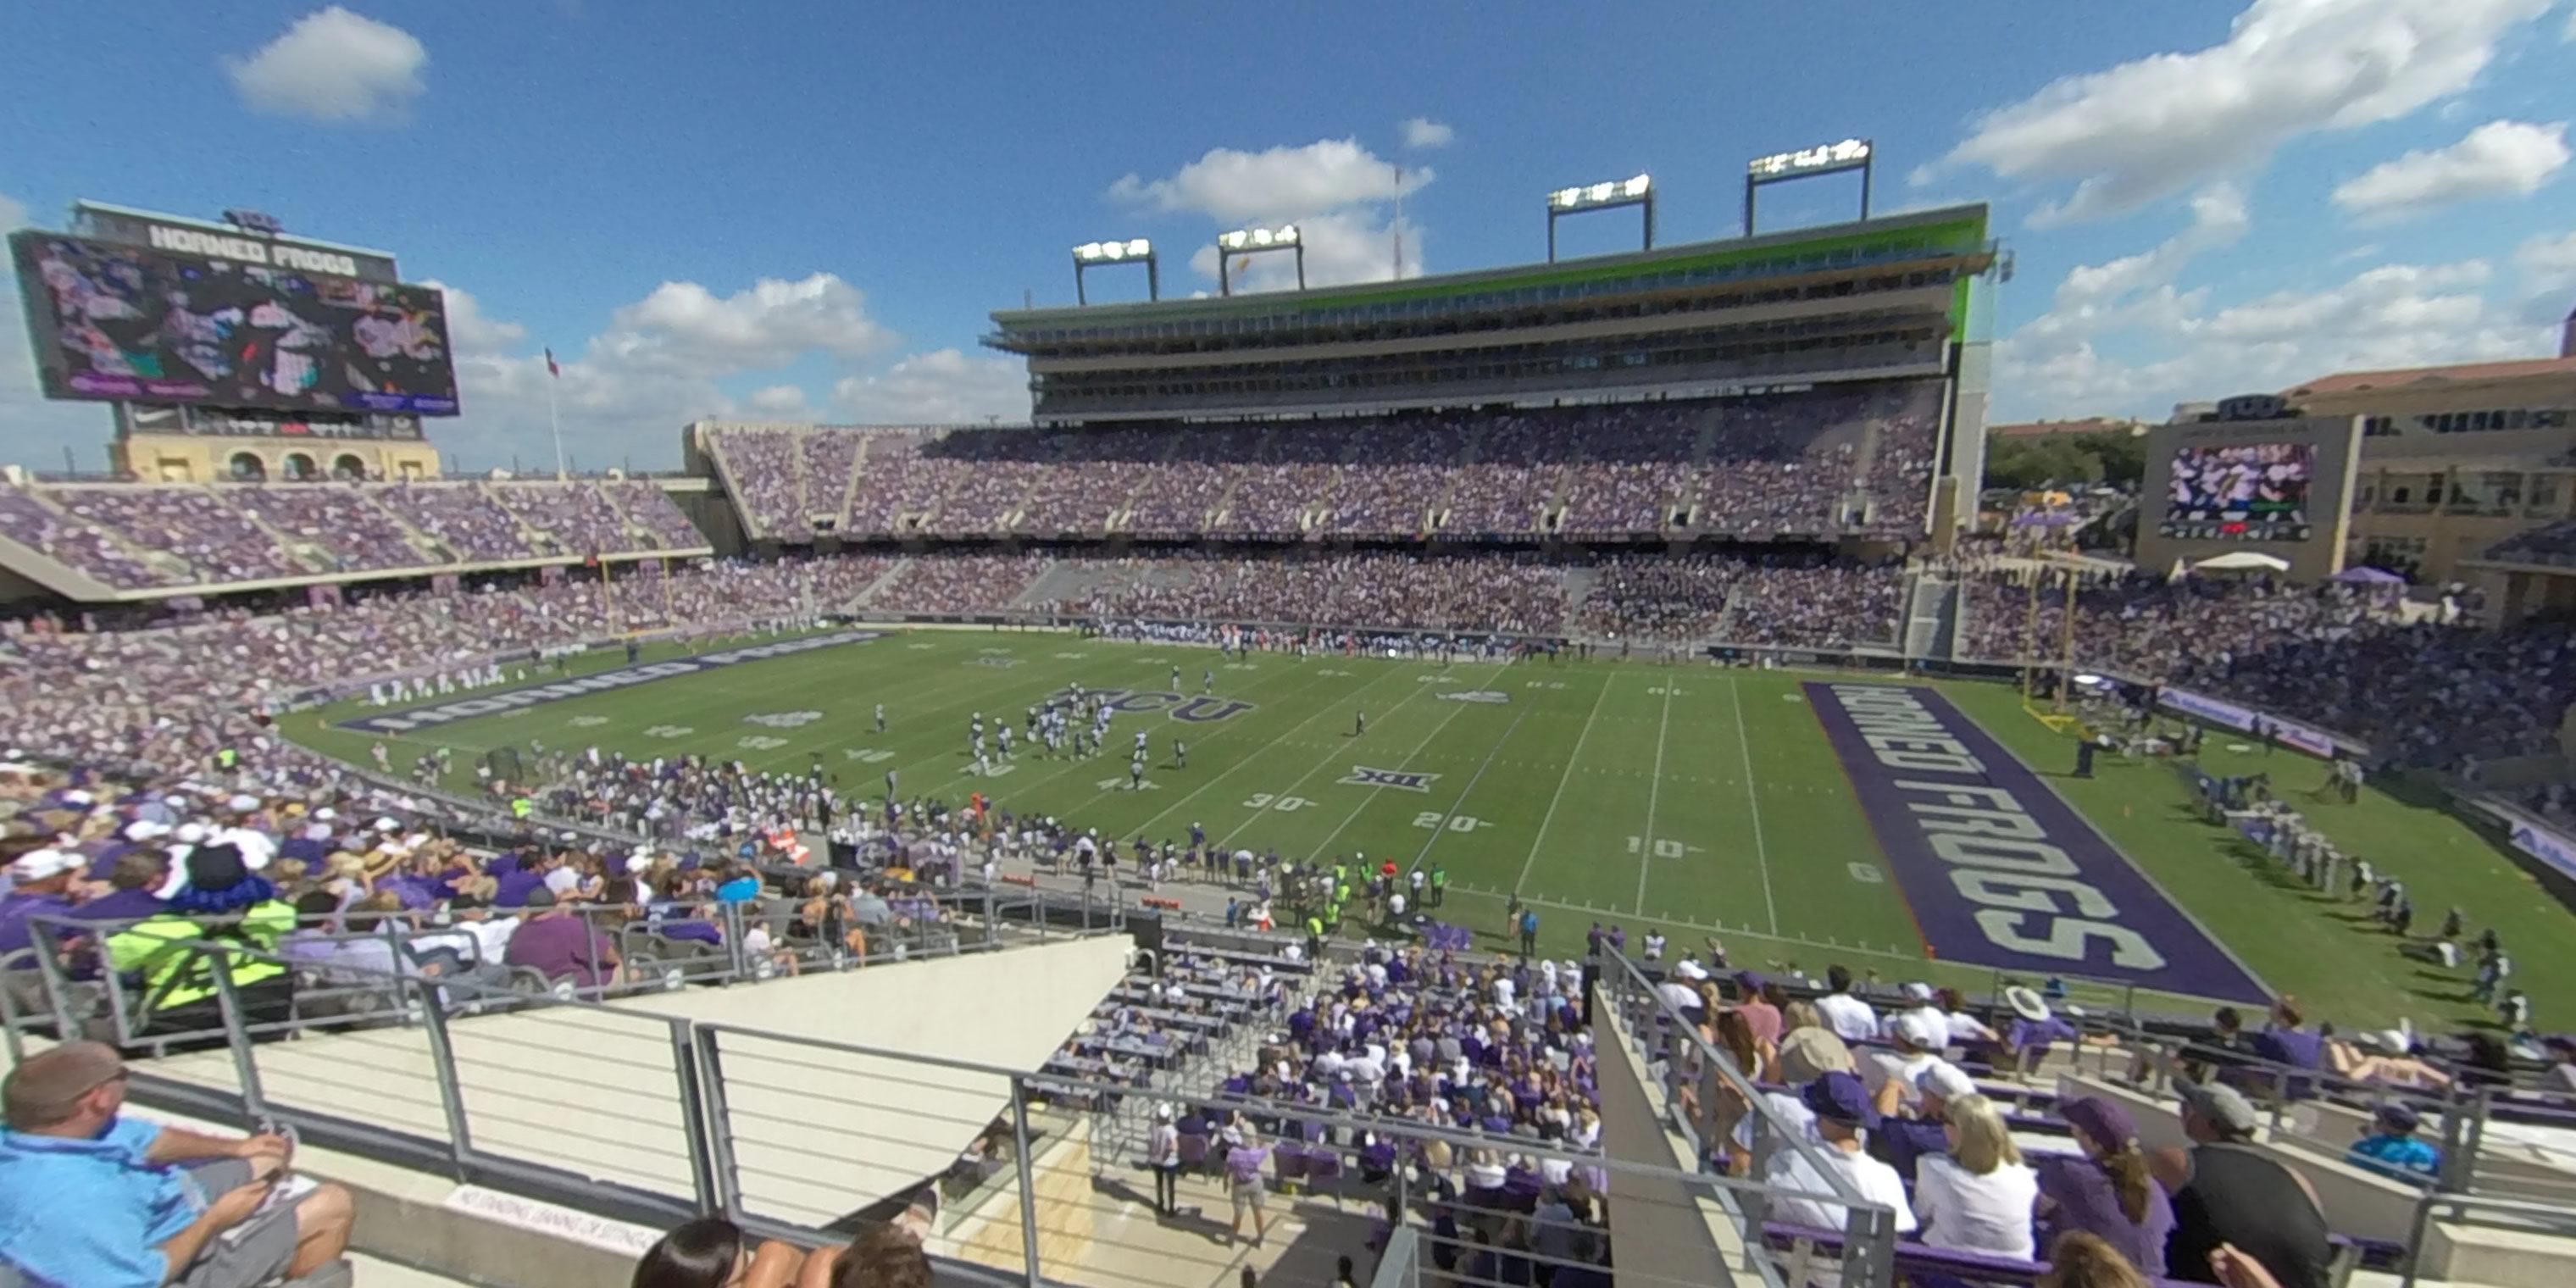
x=1753 y=798
x=1339 y=752
x=1561 y=780
x=1442 y=828
x=1372 y=796
x=1654 y=793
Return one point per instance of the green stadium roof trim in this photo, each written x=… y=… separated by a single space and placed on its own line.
x=1961 y=226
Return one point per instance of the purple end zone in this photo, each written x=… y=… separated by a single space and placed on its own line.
x=2000 y=871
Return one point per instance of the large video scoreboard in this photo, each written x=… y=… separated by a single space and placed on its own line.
x=2258 y=477
x=150 y=310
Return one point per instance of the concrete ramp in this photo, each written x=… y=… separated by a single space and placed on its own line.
x=818 y=1130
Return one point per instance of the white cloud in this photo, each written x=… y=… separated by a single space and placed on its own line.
x=2161 y=124
x=2392 y=315
x=2549 y=258
x=2095 y=298
x=1281 y=183
x=1339 y=194
x=2497 y=159
x=333 y=65
x=469 y=330
x=686 y=329
x=625 y=392
x=779 y=402
x=1423 y=132
x=943 y=387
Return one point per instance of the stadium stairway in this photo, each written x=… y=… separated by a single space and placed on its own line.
x=868 y=596
x=431 y=549
x=1578 y=587
x=1064 y=583
x=1932 y=617
x=304 y=551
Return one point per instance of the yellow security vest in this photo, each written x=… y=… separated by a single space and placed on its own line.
x=175 y=974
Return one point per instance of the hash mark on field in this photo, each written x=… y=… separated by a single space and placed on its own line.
x=1561 y=780
x=1374 y=792
x=1654 y=793
x=1761 y=852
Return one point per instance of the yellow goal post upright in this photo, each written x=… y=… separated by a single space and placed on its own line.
x=2037 y=573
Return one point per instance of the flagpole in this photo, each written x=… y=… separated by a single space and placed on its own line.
x=554 y=419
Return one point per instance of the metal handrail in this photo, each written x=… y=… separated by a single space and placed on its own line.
x=695 y=1063
x=2555 y=1218
x=1870 y=1246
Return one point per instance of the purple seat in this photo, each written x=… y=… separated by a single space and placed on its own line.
x=1289 y=1163
x=1323 y=1168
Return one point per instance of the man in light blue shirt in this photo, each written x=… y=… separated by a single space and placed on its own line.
x=2392 y=1149
x=89 y=1198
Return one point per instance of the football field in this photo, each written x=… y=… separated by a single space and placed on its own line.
x=1801 y=818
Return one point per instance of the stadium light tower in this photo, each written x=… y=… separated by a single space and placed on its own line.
x=1101 y=254
x=1807 y=163
x=1248 y=241
x=1639 y=191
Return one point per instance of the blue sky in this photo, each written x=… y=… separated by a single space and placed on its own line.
x=807 y=211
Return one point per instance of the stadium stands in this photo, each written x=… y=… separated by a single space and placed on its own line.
x=132 y=536
x=1820 y=464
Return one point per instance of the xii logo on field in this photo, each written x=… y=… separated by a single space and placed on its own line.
x=1400 y=779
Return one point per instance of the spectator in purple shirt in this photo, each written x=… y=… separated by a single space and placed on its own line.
x=561 y=944
x=1245 y=1165
x=2106 y=1191
x=522 y=876
x=2285 y=1042
x=138 y=876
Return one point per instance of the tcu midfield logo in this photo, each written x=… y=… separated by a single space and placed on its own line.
x=1202 y=709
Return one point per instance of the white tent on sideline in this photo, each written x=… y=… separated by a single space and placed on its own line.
x=2242 y=561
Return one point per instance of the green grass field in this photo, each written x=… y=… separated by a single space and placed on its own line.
x=1705 y=800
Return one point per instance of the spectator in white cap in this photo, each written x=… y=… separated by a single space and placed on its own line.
x=1919 y=1000
x=1918 y=1043
x=40 y=879
x=1907 y=1132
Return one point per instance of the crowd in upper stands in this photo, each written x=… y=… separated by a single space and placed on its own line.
x=1818 y=463
x=132 y=536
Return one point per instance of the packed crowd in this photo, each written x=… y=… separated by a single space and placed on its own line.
x=137 y=535
x=153 y=702
x=1465 y=593
x=1905 y=1107
x=1818 y=462
x=2335 y=656
x=1820 y=606
x=1772 y=602
x=1411 y=1034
